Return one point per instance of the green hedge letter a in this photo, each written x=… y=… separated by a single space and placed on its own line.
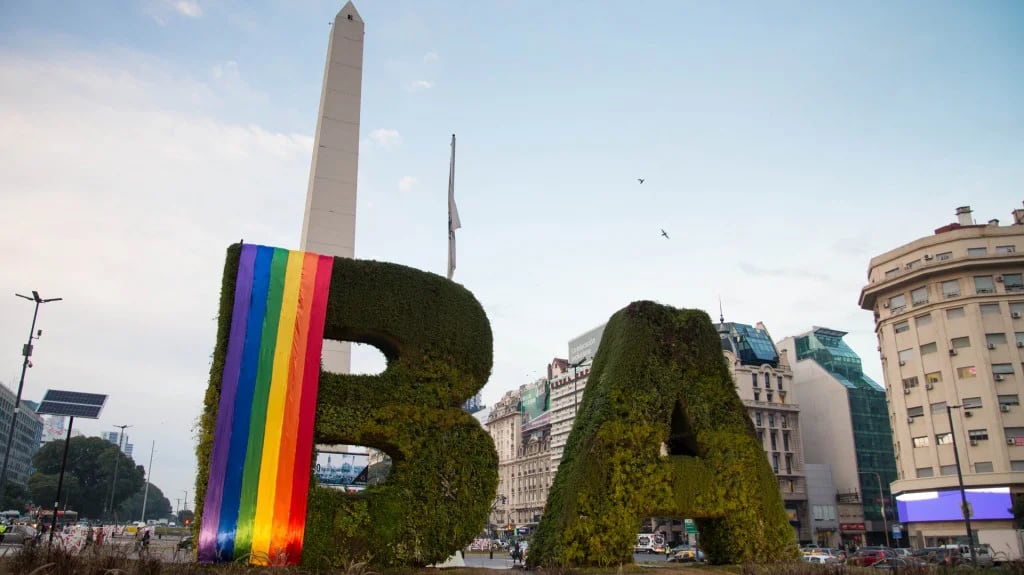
x=661 y=432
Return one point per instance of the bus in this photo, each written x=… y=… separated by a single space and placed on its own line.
x=45 y=517
x=649 y=543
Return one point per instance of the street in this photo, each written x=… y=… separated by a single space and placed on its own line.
x=502 y=560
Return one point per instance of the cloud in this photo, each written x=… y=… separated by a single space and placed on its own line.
x=386 y=137
x=187 y=8
x=430 y=57
x=407 y=184
x=784 y=272
x=120 y=193
x=419 y=85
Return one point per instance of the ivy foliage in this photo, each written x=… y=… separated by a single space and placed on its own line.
x=438 y=345
x=659 y=384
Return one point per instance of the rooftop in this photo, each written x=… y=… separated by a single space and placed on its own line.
x=751 y=345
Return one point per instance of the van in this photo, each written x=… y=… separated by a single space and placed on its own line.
x=649 y=543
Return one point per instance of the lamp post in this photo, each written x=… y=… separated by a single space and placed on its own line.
x=117 y=460
x=26 y=351
x=575 y=381
x=881 y=499
x=960 y=480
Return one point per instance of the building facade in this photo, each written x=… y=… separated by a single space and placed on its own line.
x=28 y=434
x=116 y=438
x=847 y=427
x=949 y=317
x=764 y=381
x=821 y=498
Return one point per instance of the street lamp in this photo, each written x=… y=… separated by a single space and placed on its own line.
x=881 y=499
x=117 y=460
x=575 y=381
x=26 y=351
x=960 y=479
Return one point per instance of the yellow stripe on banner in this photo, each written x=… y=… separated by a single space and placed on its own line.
x=275 y=411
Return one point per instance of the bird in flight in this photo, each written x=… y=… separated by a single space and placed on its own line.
x=641 y=180
x=665 y=234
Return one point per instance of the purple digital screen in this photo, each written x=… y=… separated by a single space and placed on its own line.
x=988 y=503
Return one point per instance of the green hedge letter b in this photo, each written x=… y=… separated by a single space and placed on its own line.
x=661 y=432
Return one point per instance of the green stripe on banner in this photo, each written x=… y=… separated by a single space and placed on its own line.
x=254 y=449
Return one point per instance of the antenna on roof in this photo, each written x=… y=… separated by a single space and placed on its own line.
x=721 y=314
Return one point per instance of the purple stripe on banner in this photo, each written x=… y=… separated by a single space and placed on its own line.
x=225 y=409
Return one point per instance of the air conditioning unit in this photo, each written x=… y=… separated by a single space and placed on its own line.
x=906 y=391
x=952 y=351
x=902 y=362
x=991 y=346
x=1010 y=441
x=999 y=377
x=968 y=414
x=929 y=386
x=999 y=278
x=1004 y=408
x=1020 y=344
x=927 y=257
x=910 y=420
x=885 y=305
x=974 y=442
x=1015 y=315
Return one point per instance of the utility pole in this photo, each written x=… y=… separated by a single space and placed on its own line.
x=149 y=476
x=117 y=460
x=26 y=351
x=960 y=478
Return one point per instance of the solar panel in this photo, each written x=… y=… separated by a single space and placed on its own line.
x=72 y=403
x=74 y=397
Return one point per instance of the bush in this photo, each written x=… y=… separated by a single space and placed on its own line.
x=659 y=378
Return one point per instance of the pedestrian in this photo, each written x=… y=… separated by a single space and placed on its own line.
x=99 y=535
x=516 y=553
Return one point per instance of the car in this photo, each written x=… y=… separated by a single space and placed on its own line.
x=898 y=563
x=867 y=556
x=685 y=554
x=19 y=535
x=820 y=559
x=186 y=543
x=172 y=524
x=945 y=556
x=902 y=552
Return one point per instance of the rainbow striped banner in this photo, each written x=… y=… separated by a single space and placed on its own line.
x=263 y=440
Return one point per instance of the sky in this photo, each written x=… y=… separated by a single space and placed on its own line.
x=782 y=145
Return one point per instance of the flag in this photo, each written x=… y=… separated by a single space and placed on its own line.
x=453 y=214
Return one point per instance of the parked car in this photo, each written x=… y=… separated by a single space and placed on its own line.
x=945 y=556
x=20 y=535
x=868 y=556
x=903 y=552
x=685 y=554
x=820 y=559
x=898 y=563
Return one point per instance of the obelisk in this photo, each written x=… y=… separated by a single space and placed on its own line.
x=329 y=226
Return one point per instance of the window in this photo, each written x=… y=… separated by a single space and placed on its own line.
x=1009 y=399
x=757 y=396
x=906 y=355
x=943 y=438
x=1014 y=432
x=960 y=342
x=775 y=462
x=921 y=441
x=1017 y=307
x=971 y=402
x=919 y=296
x=923 y=320
x=955 y=313
x=897 y=303
x=966 y=372
x=916 y=411
x=778 y=381
x=913 y=264
x=789 y=463
x=984 y=284
x=909 y=382
x=925 y=472
x=947 y=470
x=929 y=348
x=754 y=376
x=785 y=421
x=976 y=251
x=944 y=256
x=989 y=309
x=824 y=513
x=1016 y=465
x=771 y=420
x=1019 y=336
x=951 y=288
x=1002 y=369
x=983 y=467
x=785 y=441
x=1005 y=249
x=933 y=377
x=757 y=419
x=775 y=441
x=1013 y=282
x=995 y=339
x=902 y=326
x=977 y=434
x=891 y=273
x=768 y=397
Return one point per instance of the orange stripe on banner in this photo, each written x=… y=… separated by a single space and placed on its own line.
x=290 y=424
x=307 y=409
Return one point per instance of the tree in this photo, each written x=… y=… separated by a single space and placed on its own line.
x=186 y=516
x=88 y=477
x=157 y=505
x=15 y=497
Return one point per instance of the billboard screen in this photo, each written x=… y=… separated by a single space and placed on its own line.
x=585 y=346
x=985 y=503
x=341 y=470
x=535 y=400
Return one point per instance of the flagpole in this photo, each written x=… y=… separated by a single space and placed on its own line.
x=453 y=213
